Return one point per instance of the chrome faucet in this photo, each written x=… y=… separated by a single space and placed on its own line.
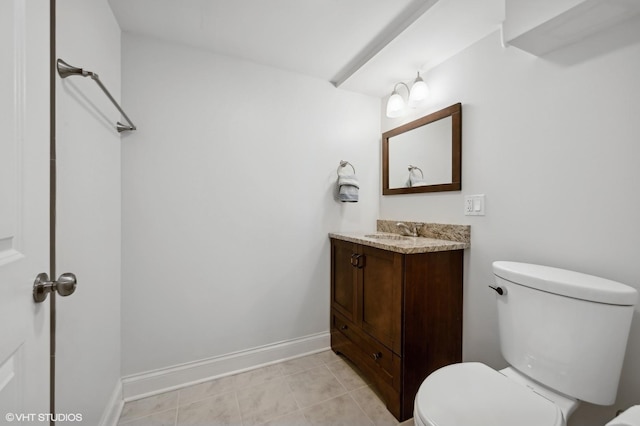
x=406 y=230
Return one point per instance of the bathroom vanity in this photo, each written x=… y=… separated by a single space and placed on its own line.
x=396 y=305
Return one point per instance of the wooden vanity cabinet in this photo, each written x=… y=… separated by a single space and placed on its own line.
x=397 y=317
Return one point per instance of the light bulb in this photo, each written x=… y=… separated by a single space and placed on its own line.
x=395 y=105
x=419 y=92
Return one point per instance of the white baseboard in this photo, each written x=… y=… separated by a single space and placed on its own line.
x=112 y=411
x=166 y=379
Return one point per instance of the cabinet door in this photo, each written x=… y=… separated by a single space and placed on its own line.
x=344 y=278
x=381 y=289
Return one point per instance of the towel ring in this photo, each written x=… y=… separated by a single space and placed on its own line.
x=412 y=168
x=345 y=164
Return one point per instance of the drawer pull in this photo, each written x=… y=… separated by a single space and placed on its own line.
x=376 y=355
x=344 y=327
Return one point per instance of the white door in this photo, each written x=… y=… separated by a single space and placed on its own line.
x=24 y=209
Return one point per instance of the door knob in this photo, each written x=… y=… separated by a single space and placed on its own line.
x=65 y=286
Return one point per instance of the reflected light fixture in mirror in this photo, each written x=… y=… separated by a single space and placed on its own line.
x=418 y=92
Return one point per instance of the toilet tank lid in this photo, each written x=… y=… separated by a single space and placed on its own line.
x=566 y=283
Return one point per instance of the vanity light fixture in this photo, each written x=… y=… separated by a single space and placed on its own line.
x=418 y=92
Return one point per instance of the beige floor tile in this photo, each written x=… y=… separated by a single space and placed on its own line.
x=339 y=411
x=258 y=376
x=348 y=375
x=218 y=410
x=314 y=386
x=206 y=389
x=293 y=419
x=408 y=422
x=153 y=404
x=259 y=404
x=297 y=365
x=329 y=388
x=164 y=418
x=329 y=356
x=373 y=407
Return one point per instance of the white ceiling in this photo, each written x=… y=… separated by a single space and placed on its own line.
x=360 y=45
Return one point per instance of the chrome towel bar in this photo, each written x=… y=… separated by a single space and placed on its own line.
x=65 y=70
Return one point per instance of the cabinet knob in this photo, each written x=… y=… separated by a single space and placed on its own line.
x=344 y=327
x=360 y=259
x=376 y=355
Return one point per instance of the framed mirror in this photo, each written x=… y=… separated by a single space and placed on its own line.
x=424 y=155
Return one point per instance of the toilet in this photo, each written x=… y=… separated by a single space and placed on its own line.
x=564 y=335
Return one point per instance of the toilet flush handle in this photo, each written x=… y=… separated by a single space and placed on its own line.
x=500 y=290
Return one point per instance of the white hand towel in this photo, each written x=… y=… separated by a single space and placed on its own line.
x=348 y=187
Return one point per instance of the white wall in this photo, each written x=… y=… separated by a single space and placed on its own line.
x=227 y=192
x=88 y=211
x=555 y=149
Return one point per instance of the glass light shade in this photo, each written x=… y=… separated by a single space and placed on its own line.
x=419 y=92
x=395 y=105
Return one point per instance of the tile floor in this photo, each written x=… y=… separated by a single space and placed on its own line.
x=319 y=389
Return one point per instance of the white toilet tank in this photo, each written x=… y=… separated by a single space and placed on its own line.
x=564 y=329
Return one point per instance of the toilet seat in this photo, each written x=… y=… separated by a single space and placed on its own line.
x=473 y=394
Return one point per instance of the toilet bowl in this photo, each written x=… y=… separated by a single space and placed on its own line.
x=496 y=398
x=564 y=335
x=473 y=394
x=630 y=417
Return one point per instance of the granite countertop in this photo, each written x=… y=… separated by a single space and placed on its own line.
x=432 y=237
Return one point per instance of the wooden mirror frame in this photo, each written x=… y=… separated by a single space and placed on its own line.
x=453 y=111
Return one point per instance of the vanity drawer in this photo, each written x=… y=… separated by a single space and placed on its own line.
x=373 y=351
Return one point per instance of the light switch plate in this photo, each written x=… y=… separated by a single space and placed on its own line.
x=474 y=205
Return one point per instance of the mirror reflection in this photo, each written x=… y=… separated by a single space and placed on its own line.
x=424 y=155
